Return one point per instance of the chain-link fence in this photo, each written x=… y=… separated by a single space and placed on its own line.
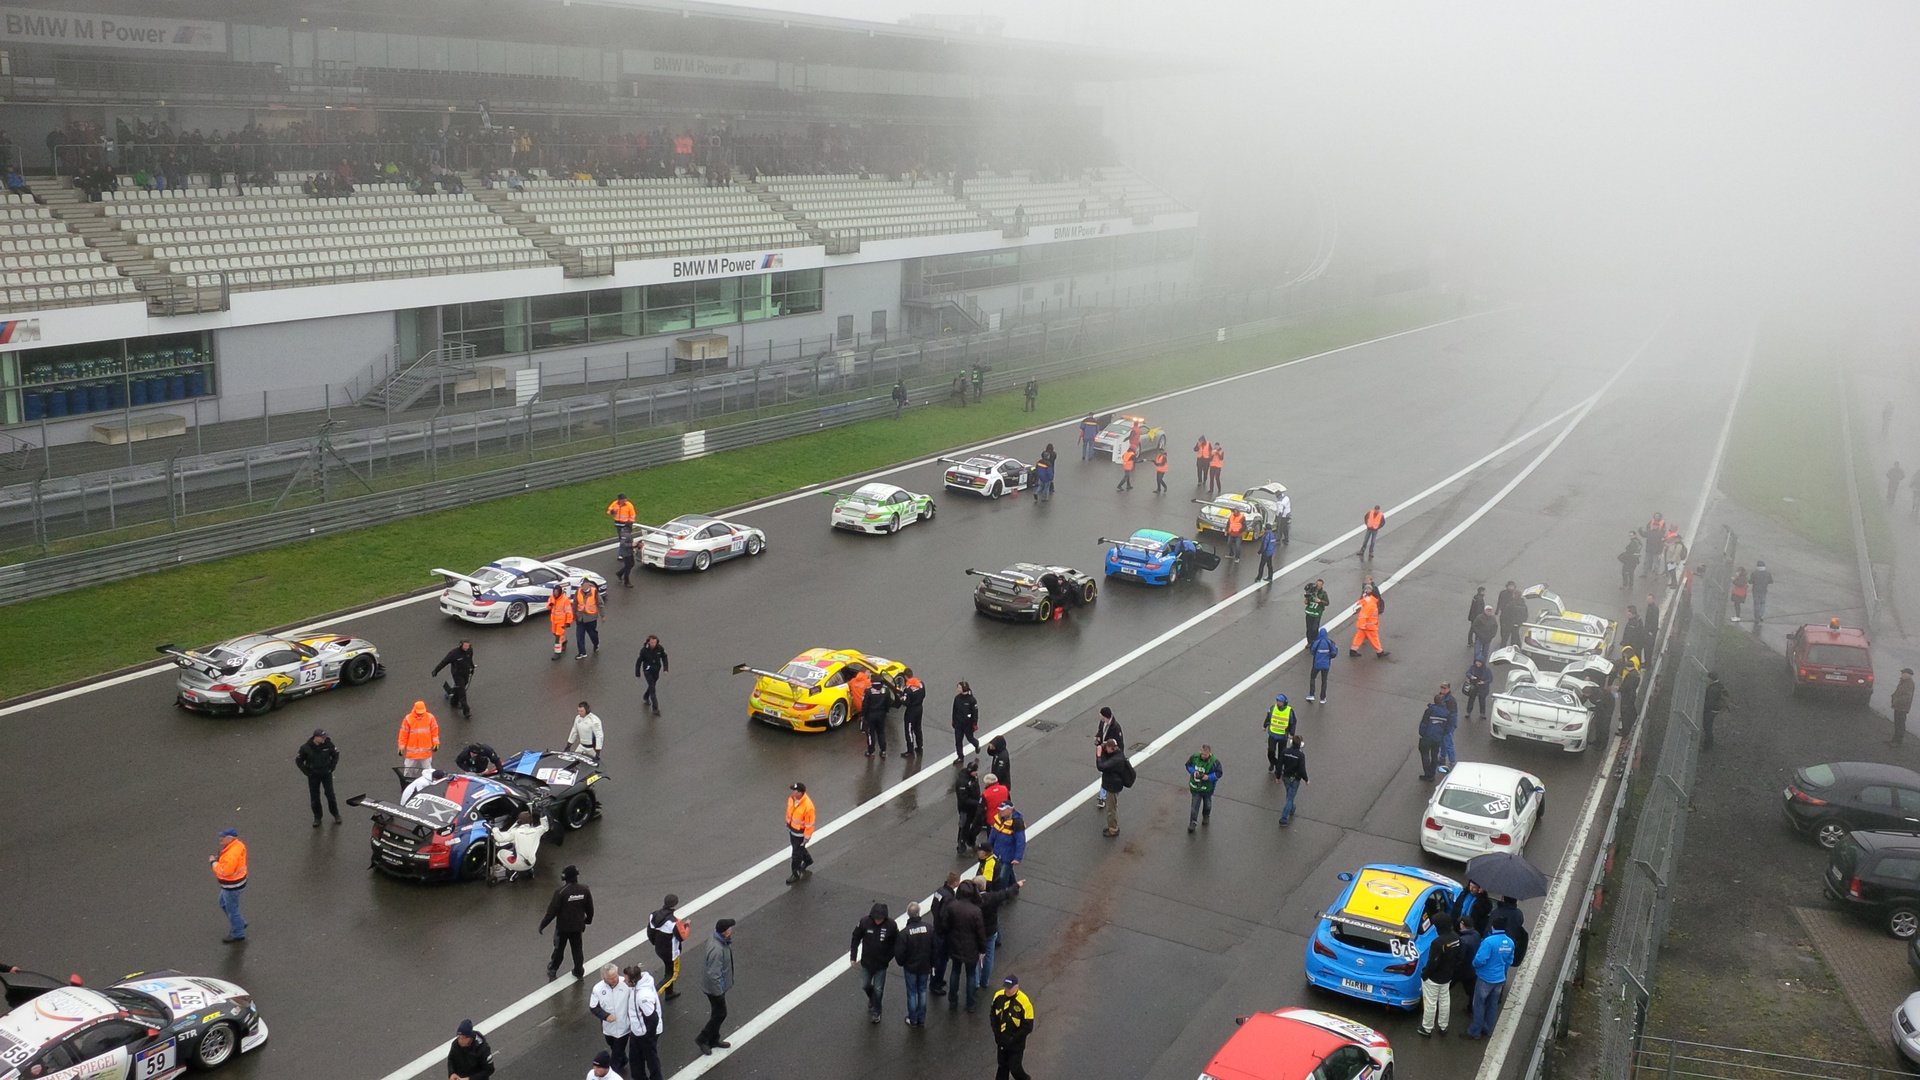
x=1673 y=1059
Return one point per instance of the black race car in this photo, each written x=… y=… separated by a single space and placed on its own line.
x=1030 y=591
x=445 y=832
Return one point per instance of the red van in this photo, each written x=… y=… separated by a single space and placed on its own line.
x=1832 y=658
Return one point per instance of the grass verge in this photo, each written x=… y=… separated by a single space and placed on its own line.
x=1784 y=454
x=56 y=640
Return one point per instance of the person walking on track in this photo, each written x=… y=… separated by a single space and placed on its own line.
x=1089 y=431
x=559 y=617
x=667 y=933
x=459 y=665
x=1160 y=470
x=1012 y=1014
x=1236 y=525
x=1279 y=724
x=316 y=759
x=1373 y=520
x=647 y=1021
x=1367 y=626
x=1292 y=772
x=230 y=871
x=570 y=912
x=1477 y=684
x=650 y=666
x=1202 y=458
x=587 y=735
x=611 y=1003
x=586 y=618
x=1269 y=543
x=1214 y=465
x=716 y=979
x=910 y=716
x=419 y=738
x=913 y=950
x=1316 y=604
x=1203 y=775
x=1106 y=729
x=1127 y=457
x=800 y=818
x=468 y=1056
x=1324 y=650
x=966 y=721
x=967 y=800
x=1116 y=775
x=625 y=573
x=874 y=938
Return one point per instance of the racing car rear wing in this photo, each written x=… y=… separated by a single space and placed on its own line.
x=475 y=582
x=744 y=669
x=1004 y=579
x=1595 y=665
x=1129 y=542
x=188 y=659
x=393 y=811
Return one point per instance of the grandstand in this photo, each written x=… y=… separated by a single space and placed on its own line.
x=247 y=205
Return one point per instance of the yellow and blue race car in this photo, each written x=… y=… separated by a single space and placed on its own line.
x=253 y=674
x=811 y=693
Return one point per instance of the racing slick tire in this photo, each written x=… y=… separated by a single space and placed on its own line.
x=216 y=1047
x=1087 y=593
x=754 y=546
x=516 y=613
x=260 y=700
x=1173 y=575
x=357 y=670
x=1045 y=611
x=928 y=516
x=836 y=715
x=473 y=862
x=702 y=560
x=577 y=811
x=893 y=526
x=996 y=490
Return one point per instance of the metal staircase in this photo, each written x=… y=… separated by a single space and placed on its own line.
x=398 y=391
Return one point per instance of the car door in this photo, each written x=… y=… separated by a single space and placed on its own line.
x=900 y=505
x=105 y=1051
x=1907 y=801
x=48 y=1061
x=1874 y=808
x=725 y=541
x=287 y=662
x=1526 y=811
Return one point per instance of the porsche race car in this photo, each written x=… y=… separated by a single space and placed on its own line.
x=1118 y=432
x=811 y=693
x=1257 y=506
x=508 y=590
x=992 y=475
x=879 y=508
x=1555 y=636
x=444 y=833
x=152 y=1025
x=696 y=541
x=254 y=674
x=1157 y=557
x=1302 y=1044
x=1028 y=591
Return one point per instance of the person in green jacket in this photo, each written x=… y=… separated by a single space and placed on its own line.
x=1316 y=607
x=1203 y=772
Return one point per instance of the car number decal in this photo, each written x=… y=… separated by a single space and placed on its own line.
x=13 y=1052
x=1404 y=950
x=556 y=777
x=1496 y=807
x=310 y=674
x=154 y=1061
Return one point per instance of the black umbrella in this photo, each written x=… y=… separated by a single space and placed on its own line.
x=1502 y=873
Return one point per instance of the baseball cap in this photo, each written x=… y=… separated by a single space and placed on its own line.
x=230 y=832
x=603 y=1060
x=799 y=787
x=1011 y=980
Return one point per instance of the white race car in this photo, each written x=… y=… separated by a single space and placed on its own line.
x=149 y=1026
x=1480 y=808
x=508 y=590
x=695 y=542
x=879 y=508
x=1552 y=635
x=1113 y=439
x=992 y=475
x=1546 y=706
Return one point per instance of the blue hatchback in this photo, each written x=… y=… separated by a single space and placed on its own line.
x=1369 y=944
x=1156 y=557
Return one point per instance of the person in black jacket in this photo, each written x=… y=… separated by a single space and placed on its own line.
x=913 y=950
x=915 y=700
x=1116 y=775
x=469 y=1058
x=317 y=759
x=478 y=758
x=991 y=897
x=1474 y=607
x=966 y=793
x=965 y=931
x=937 y=919
x=1474 y=906
x=966 y=721
x=651 y=665
x=570 y=911
x=872 y=949
x=1436 y=979
x=1511 y=607
x=873 y=718
x=998 y=763
x=460 y=664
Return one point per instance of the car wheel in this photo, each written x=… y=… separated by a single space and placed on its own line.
x=578 y=810
x=1387 y=1073
x=1829 y=831
x=754 y=546
x=928 y=515
x=702 y=560
x=1173 y=575
x=1086 y=593
x=357 y=670
x=516 y=613
x=836 y=715
x=1903 y=921
x=216 y=1047
x=1046 y=610
x=473 y=864
x=893 y=526
x=259 y=701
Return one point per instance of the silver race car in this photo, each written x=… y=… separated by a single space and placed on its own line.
x=253 y=674
x=1029 y=591
x=508 y=590
x=992 y=475
x=1257 y=506
x=695 y=542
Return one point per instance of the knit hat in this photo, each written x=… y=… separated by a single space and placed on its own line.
x=570 y=873
x=319 y=733
x=465 y=1028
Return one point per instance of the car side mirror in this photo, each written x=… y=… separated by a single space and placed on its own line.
x=1346 y=876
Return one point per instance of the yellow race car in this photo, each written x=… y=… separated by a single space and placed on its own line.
x=811 y=693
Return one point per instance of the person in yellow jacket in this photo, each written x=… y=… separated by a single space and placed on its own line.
x=559 y=617
x=1012 y=1014
x=1367 y=626
x=800 y=817
x=419 y=738
x=230 y=870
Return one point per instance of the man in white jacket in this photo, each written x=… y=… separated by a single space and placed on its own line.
x=612 y=1004
x=517 y=846
x=646 y=1021
x=587 y=735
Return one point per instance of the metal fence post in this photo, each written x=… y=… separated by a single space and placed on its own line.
x=613 y=416
x=173 y=508
x=40 y=516
x=266 y=416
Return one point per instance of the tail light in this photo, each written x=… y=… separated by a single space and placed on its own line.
x=221 y=688
x=1502 y=839
x=676 y=551
x=477 y=602
x=1432 y=824
x=1802 y=797
x=1401 y=969
x=1573 y=727
x=1853 y=888
x=1803 y=673
x=1502 y=713
x=1320 y=949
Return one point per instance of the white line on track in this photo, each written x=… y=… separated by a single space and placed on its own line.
x=765 y=504
x=942 y=766
x=1513 y=1009
x=1077 y=802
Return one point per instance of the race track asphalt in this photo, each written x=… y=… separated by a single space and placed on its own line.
x=1138 y=951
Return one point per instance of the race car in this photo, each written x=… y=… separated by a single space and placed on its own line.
x=1118 y=432
x=1156 y=557
x=1369 y=944
x=151 y=1025
x=1554 y=636
x=1302 y=1044
x=1547 y=706
x=443 y=832
x=810 y=693
x=1480 y=808
x=1257 y=505
x=508 y=590
x=254 y=674
x=876 y=508
x=695 y=542
x=992 y=475
x=1030 y=591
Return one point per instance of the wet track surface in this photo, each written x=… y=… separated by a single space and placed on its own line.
x=1138 y=951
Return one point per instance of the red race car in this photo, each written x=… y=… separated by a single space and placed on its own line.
x=1302 y=1044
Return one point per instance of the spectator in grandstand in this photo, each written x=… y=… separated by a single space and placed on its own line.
x=15 y=184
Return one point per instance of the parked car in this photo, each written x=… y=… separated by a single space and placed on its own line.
x=1554 y=636
x=1157 y=557
x=151 y=1025
x=1829 y=801
x=992 y=475
x=1031 y=592
x=1480 y=808
x=1831 y=659
x=1301 y=1044
x=1877 y=874
x=257 y=673
x=1906 y=1028
x=1370 y=942
x=1258 y=506
x=1546 y=706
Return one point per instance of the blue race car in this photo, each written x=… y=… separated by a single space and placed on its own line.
x=444 y=833
x=1369 y=944
x=1156 y=557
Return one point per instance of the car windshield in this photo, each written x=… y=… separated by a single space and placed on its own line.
x=1361 y=937
x=139 y=1006
x=1477 y=803
x=803 y=672
x=1815 y=776
x=1844 y=656
x=489 y=576
x=1531 y=692
x=1118 y=429
x=679 y=527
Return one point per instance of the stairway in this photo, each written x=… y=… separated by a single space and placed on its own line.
x=398 y=391
x=800 y=221
x=88 y=220
x=577 y=262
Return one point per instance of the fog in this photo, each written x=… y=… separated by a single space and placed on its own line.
x=1710 y=146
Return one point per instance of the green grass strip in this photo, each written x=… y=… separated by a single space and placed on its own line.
x=60 y=639
x=1784 y=454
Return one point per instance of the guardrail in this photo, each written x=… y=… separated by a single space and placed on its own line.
x=1673 y=1059
x=59 y=573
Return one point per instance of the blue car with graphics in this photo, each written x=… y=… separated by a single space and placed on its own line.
x=1370 y=943
x=1157 y=557
x=444 y=833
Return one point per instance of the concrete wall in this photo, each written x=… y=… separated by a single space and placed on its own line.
x=292 y=361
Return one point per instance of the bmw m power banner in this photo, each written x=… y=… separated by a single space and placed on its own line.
x=73 y=29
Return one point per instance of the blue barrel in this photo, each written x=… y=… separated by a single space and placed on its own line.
x=196 y=384
x=33 y=405
x=137 y=391
x=56 y=403
x=116 y=395
x=156 y=390
x=176 y=387
x=99 y=399
x=76 y=401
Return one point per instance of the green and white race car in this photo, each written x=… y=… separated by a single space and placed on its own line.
x=879 y=508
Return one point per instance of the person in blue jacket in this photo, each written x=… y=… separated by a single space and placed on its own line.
x=1008 y=833
x=1490 y=963
x=1324 y=650
x=1452 y=705
x=1433 y=727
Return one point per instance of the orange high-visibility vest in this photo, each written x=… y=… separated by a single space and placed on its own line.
x=857 y=687
x=1202 y=450
x=588 y=603
x=800 y=816
x=560 y=613
x=419 y=732
x=1160 y=462
x=1126 y=461
x=1369 y=616
x=1236 y=523
x=231 y=867
x=622 y=511
x=1375 y=519
x=1219 y=456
